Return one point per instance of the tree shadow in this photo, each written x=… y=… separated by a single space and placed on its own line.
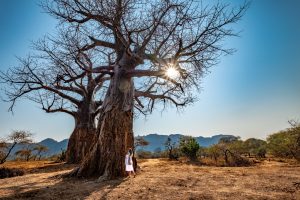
x=63 y=188
x=52 y=167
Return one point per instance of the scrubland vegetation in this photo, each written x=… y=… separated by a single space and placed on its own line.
x=157 y=179
x=232 y=151
x=230 y=169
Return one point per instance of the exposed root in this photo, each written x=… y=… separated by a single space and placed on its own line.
x=103 y=178
x=70 y=174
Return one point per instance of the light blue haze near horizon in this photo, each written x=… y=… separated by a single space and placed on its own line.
x=252 y=93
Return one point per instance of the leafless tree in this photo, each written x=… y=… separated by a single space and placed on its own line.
x=58 y=76
x=16 y=137
x=156 y=51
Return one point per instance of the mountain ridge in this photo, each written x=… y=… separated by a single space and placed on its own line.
x=156 y=141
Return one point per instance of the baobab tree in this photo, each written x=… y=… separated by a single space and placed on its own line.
x=58 y=76
x=160 y=52
x=150 y=51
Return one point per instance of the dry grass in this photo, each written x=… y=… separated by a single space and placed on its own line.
x=37 y=166
x=160 y=179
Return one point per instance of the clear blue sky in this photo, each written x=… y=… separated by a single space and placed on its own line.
x=251 y=93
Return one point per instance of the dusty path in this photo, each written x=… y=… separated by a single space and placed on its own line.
x=161 y=179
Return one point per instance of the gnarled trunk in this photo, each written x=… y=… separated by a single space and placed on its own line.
x=80 y=142
x=114 y=132
x=84 y=135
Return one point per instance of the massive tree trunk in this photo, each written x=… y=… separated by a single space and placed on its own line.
x=114 y=132
x=84 y=134
x=80 y=142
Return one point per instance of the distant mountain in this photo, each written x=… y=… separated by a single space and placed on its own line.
x=54 y=147
x=157 y=141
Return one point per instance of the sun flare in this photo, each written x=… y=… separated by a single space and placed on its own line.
x=171 y=72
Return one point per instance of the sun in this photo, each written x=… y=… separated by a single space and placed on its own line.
x=172 y=73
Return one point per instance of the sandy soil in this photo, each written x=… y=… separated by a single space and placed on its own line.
x=162 y=179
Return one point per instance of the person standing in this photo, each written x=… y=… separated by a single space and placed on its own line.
x=129 y=163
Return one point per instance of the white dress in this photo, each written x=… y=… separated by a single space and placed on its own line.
x=129 y=166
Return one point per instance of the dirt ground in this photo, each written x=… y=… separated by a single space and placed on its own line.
x=161 y=179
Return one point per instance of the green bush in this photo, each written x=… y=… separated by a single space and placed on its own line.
x=189 y=147
x=255 y=147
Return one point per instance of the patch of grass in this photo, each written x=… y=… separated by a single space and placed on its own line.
x=26 y=166
x=37 y=166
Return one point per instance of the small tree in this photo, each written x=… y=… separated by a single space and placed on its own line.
x=40 y=149
x=62 y=156
x=232 y=149
x=261 y=152
x=140 y=142
x=189 y=147
x=3 y=147
x=16 y=137
x=170 y=147
x=214 y=152
x=286 y=143
x=24 y=153
x=255 y=147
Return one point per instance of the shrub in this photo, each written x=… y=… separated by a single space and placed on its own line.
x=213 y=152
x=62 y=156
x=10 y=172
x=171 y=149
x=232 y=152
x=189 y=147
x=255 y=147
x=143 y=154
x=286 y=143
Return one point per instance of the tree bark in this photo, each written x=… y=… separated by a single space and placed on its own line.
x=226 y=156
x=84 y=134
x=114 y=132
x=80 y=142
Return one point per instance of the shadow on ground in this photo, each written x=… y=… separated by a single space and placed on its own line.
x=63 y=188
x=52 y=167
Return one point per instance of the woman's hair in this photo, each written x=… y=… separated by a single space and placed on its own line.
x=130 y=151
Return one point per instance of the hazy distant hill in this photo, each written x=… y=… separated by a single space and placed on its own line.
x=155 y=141
x=54 y=147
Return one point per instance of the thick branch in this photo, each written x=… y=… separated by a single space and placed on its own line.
x=159 y=96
